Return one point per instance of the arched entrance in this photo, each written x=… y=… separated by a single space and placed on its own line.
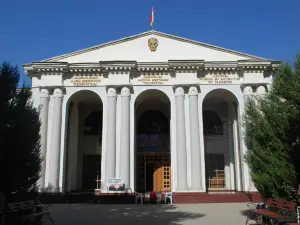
x=153 y=158
x=84 y=142
x=221 y=142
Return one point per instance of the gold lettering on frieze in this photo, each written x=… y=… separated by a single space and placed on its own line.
x=85 y=80
x=220 y=79
x=153 y=79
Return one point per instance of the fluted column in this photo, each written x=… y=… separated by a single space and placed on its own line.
x=195 y=139
x=110 y=158
x=55 y=140
x=44 y=102
x=125 y=137
x=181 y=141
x=72 y=151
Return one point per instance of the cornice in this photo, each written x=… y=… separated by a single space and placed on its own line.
x=258 y=65
x=176 y=65
x=46 y=67
x=107 y=66
x=152 y=66
x=220 y=65
x=84 y=67
x=37 y=68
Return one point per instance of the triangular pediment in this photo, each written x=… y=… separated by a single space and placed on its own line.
x=135 y=48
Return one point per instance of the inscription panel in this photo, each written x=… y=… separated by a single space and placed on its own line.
x=152 y=79
x=221 y=79
x=93 y=80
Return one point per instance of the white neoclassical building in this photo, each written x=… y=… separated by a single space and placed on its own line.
x=157 y=111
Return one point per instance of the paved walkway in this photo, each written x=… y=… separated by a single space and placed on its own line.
x=187 y=214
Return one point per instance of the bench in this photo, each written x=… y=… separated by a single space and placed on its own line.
x=28 y=211
x=275 y=210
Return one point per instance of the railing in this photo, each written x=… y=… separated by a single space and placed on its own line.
x=217 y=181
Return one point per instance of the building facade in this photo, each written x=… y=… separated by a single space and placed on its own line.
x=157 y=111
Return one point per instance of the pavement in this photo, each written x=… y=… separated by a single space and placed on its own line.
x=185 y=214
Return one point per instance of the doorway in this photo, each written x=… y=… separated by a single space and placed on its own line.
x=152 y=143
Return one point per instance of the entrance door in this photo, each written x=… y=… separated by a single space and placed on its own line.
x=162 y=177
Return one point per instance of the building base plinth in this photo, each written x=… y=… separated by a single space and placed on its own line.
x=200 y=197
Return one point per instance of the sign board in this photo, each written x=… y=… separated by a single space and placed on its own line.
x=115 y=184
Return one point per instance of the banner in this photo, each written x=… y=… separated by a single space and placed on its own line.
x=115 y=184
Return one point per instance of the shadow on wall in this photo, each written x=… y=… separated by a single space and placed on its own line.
x=120 y=214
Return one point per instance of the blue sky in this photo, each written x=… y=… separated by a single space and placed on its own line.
x=32 y=30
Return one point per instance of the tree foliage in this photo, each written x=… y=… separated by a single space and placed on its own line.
x=272 y=135
x=20 y=160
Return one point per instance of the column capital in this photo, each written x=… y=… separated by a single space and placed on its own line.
x=247 y=90
x=261 y=90
x=58 y=93
x=179 y=91
x=193 y=90
x=125 y=92
x=111 y=92
x=44 y=93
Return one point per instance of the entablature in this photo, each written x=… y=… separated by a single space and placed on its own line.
x=172 y=65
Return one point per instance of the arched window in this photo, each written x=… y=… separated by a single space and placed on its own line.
x=93 y=123
x=212 y=124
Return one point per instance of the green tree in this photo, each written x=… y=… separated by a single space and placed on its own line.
x=20 y=161
x=272 y=132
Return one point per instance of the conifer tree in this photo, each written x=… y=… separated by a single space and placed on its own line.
x=272 y=135
x=20 y=161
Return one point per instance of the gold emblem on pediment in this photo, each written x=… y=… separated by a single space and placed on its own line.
x=153 y=43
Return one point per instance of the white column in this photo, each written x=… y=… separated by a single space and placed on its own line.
x=195 y=140
x=236 y=151
x=43 y=132
x=181 y=141
x=226 y=157
x=202 y=146
x=125 y=137
x=233 y=167
x=110 y=154
x=55 y=140
x=72 y=151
